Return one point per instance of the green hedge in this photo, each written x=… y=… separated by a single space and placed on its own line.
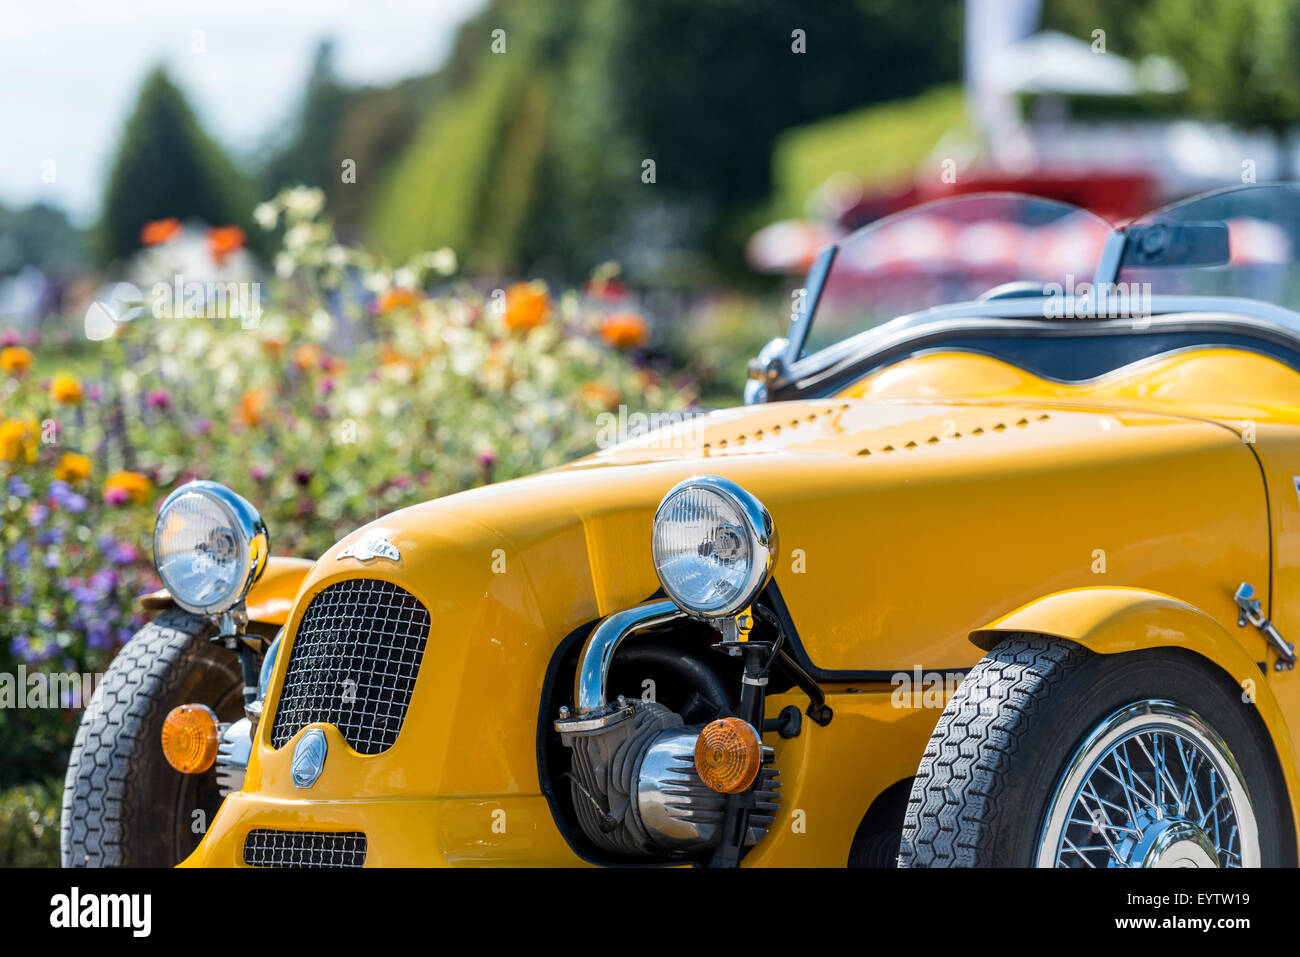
x=29 y=824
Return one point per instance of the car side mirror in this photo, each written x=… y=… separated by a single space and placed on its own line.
x=768 y=367
x=1173 y=245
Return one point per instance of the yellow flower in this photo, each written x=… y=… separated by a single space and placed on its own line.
x=18 y=441
x=527 y=306
x=15 y=360
x=66 y=389
x=123 y=487
x=73 y=467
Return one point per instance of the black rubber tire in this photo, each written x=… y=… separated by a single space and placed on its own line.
x=980 y=795
x=123 y=804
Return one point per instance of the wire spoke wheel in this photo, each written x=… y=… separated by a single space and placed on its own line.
x=1152 y=786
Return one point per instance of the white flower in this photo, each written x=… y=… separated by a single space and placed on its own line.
x=304 y=202
x=267 y=215
x=442 y=261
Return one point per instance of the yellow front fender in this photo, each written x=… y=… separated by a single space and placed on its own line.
x=269 y=601
x=1117 y=620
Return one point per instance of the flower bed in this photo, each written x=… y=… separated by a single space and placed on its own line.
x=353 y=391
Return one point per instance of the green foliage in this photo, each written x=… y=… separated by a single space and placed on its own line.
x=373 y=131
x=167 y=166
x=879 y=144
x=41 y=236
x=310 y=155
x=1242 y=59
x=438 y=189
x=29 y=824
x=720 y=338
x=1121 y=19
x=535 y=156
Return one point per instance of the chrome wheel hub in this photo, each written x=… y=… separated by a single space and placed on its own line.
x=1166 y=841
x=1152 y=786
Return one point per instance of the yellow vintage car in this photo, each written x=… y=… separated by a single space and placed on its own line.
x=998 y=565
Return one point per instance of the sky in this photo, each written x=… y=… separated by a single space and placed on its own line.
x=70 y=71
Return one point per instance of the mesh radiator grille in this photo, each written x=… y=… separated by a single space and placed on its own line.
x=354 y=661
x=267 y=848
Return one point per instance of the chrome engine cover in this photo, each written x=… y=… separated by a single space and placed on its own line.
x=636 y=791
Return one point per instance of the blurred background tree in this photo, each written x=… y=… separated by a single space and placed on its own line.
x=535 y=155
x=167 y=166
x=1243 y=58
x=308 y=156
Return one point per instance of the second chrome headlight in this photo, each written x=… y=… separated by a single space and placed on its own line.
x=210 y=546
x=713 y=546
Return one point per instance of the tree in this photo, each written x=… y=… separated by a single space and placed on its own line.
x=309 y=155
x=167 y=166
x=1240 y=58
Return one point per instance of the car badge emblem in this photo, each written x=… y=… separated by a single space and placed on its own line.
x=309 y=758
x=373 y=546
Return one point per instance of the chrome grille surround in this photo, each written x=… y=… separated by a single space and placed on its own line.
x=353 y=664
x=264 y=847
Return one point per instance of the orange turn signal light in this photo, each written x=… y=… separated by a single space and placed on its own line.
x=728 y=753
x=189 y=738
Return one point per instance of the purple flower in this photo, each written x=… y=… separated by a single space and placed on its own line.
x=202 y=426
x=158 y=399
x=22 y=647
x=19 y=488
x=123 y=554
x=19 y=554
x=51 y=560
x=39 y=514
x=99 y=635
x=104 y=581
x=62 y=495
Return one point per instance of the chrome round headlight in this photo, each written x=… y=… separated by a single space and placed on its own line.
x=209 y=546
x=713 y=546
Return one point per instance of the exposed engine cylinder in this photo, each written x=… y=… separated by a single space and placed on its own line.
x=636 y=791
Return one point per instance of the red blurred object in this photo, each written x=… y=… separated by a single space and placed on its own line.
x=1115 y=197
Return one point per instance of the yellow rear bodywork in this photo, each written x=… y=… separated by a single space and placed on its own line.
x=947 y=496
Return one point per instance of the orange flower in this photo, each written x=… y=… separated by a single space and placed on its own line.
x=15 y=360
x=625 y=330
x=274 y=345
x=252 y=406
x=159 y=231
x=66 y=389
x=123 y=487
x=527 y=306
x=73 y=467
x=224 y=240
x=307 y=356
x=600 y=393
x=18 y=440
x=395 y=297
